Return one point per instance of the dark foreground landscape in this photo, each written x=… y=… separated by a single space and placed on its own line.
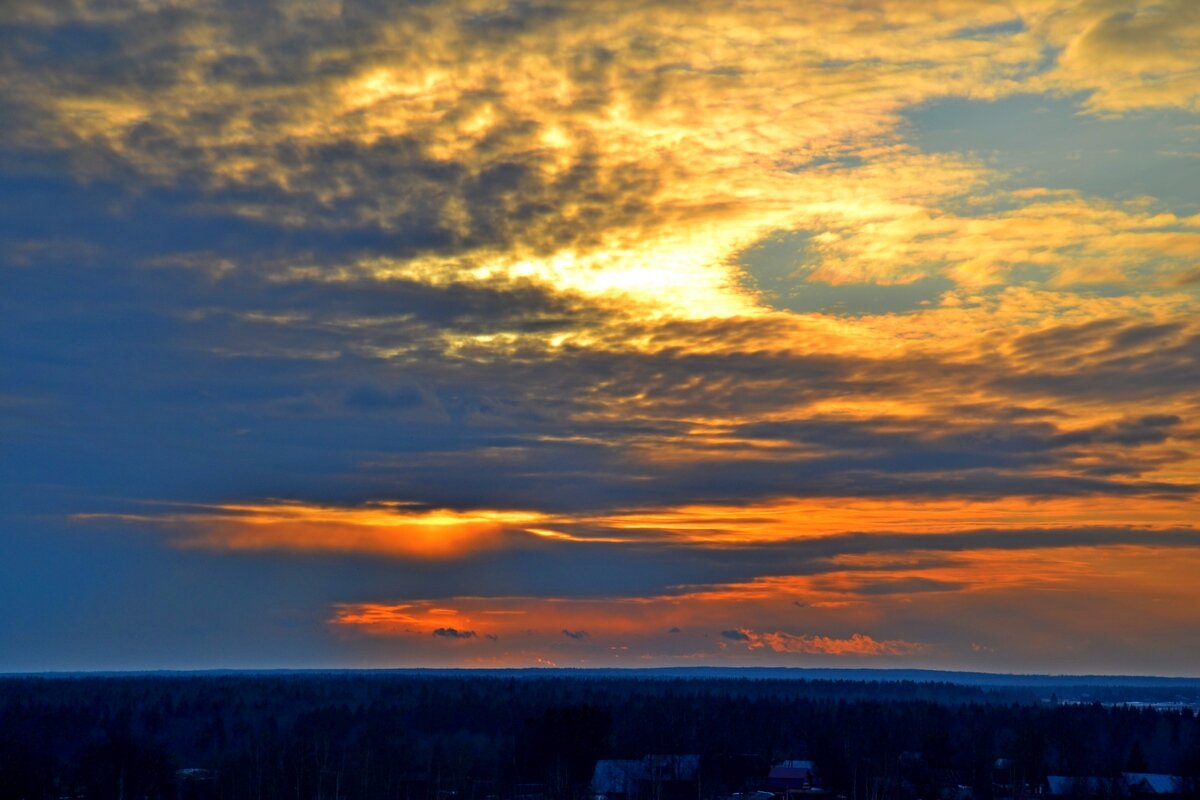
x=554 y=736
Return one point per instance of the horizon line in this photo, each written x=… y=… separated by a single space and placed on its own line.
x=861 y=674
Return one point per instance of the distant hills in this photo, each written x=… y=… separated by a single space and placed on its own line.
x=720 y=673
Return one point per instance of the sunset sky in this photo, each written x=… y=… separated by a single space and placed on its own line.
x=353 y=333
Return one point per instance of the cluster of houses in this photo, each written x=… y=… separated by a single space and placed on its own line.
x=1126 y=785
x=1129 y=785
x=677 y=777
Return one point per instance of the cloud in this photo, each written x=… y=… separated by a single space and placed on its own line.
x=494 y=300
x=857 y=596
x=453 y=633
x=598 y=170
x=907 y=586
x=1072 y=241
x=387 y=528
x=372 y=398
x=857 y=644
x=1130 y=56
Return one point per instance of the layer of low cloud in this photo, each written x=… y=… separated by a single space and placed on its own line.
x=857 y=644
x=971 y=607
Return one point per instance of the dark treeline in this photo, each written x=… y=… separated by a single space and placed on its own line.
x=423 y=738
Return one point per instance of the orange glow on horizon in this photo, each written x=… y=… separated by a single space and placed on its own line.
x=844 y=609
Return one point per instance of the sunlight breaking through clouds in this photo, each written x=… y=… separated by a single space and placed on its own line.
x=494 y=293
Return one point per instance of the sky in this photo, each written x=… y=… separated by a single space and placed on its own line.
x=600 y=333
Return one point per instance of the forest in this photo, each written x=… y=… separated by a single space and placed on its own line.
x=495 y=737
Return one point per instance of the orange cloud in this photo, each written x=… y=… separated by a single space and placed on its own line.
x=655 y=165
x=1076 y=241
x=857 y=586
x=392 y=529
x=1130 y=55
x=856 y=645
x=402 y=530
x=992 y=607
x=807 y=518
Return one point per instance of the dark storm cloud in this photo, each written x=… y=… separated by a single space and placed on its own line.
x=735 y=635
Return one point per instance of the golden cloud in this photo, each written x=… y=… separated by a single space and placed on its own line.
x=624 y=149
x=386 y=528
x=1129 y=55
